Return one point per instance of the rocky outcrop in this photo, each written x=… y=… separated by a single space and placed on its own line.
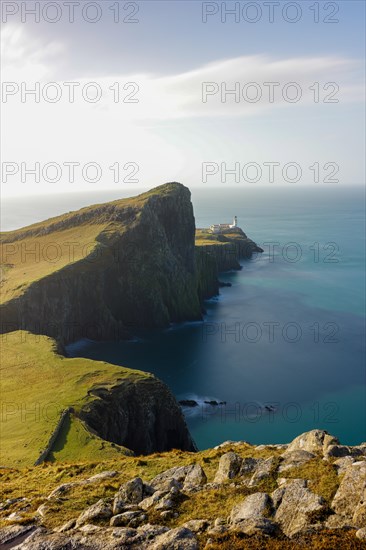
x=141 y=415
x=218 y=253
x=145 y=514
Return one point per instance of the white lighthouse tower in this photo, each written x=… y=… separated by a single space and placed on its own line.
x=235 y=222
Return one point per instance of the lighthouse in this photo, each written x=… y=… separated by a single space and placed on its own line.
x=235 y=222
x=221 y=227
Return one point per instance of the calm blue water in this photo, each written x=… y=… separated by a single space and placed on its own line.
x=288 y=334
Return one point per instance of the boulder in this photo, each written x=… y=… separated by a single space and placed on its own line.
x=263 y=470
x=315 y=441
x=99 y=510
x=196 y=525
x=178 y=473
x=359 y=517
x=66 y=526
x=248 y=466
x=336 y=521
x=229 y=467
x=166 y=503
x=351 y=492
x=253 y=506
x=297 y=507
x=196 y=477
x=167 y=485
x=361 y=533
x=255 y=526
x=343 y=463
x=8 y=534
x=129 y=493
x=62 y=490
x=108 y=474
x=294 y=459
x=131 y=518
x=180 y=538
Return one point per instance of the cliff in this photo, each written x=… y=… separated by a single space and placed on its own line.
x=132 y=266
x=56 y=408
x=143 y=416
x=106 y=270
x=216 y=253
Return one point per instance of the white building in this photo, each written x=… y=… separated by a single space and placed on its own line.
x=218 y=227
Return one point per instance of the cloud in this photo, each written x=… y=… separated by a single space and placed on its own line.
x=163 y=130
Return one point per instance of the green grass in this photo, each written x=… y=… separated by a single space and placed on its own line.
x=37 y=384
x=34 y=252
x=37 y=482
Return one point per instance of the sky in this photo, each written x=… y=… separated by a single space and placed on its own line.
x=140 y=93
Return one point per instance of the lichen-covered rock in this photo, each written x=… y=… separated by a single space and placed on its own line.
x=66 y=526
x=255 y=526
x=248 y=466
x=352 y=491
x=359 y=517
x=195 y=477
x=361 y=533
x=178 y=473
x=8 y=534
x=131 y=518
x=315 y=441
x=262 y=471
x=294 y=459
x=62 y=489
x=253 y=506
x=229 y=467
x=343 y=463
x=151 y=501
x=297 y=507
x=196 y=525
x=180 y=538
x=343 y=450
x=102 y=476
x=129 y=493
x=99 y=510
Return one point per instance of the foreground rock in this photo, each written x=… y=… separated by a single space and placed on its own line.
x=148 y=537
x=134 y=518
x=298 y=507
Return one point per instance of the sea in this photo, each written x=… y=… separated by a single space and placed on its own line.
x=282 y=350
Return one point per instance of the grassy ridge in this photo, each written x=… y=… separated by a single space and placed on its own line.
x=37 y=385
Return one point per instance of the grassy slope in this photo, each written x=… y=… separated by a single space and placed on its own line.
x=37 y=384
x=37 y=482
x=33 y=257
x=31 y=253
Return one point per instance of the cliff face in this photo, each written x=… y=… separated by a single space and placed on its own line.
x=216 y=253
x=66 y=409
x=142 y=416
x=141 y=273
x=142 y=265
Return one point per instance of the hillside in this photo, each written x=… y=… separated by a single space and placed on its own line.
x=102 y=404
x=307 y=494
x=104 y=270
